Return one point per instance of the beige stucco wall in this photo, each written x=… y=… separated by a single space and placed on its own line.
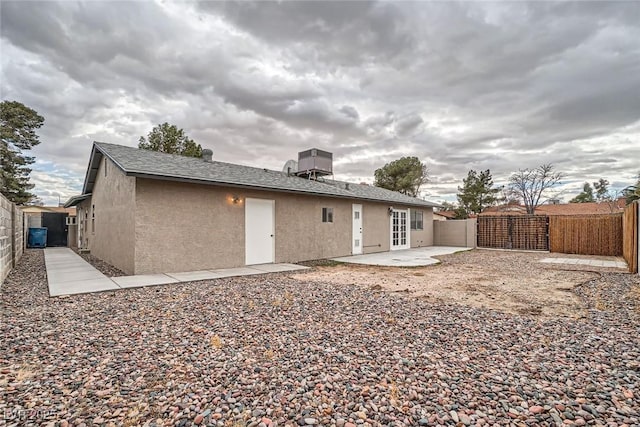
x=113 y=203
x=423 y=237
x=184 y=227
x=376 y=236
x=300 y=233
x=72 y=236
x=456 y=232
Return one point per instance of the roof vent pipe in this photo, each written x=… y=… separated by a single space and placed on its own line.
x=207 y=155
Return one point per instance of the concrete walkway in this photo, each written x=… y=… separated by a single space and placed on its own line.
x=69 y=274
x=616 y=263
x=416 y=257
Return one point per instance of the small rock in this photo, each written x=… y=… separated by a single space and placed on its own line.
x=464 y=419
x=198 y=419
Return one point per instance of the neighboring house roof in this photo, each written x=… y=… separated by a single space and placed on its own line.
x=56 y=209
x=446 y=214
x=602 y=208
x=155 y=165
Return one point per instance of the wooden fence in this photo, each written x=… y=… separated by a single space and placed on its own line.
x=630 y=236
x=513 y=232
x=586 y=234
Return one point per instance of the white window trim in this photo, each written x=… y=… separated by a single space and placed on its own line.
x=411 y=220
x=400 y=247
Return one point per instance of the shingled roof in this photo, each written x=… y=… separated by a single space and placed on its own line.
x=154 y=165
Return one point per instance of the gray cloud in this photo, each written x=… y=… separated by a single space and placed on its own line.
x=497 y=86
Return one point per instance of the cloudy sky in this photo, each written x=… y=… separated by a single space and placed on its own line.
x=462 y=85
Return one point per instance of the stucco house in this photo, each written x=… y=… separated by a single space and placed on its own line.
x=149 y=212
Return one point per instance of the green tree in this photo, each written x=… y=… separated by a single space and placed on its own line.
x=531 y=184
x=476 y=193
x=168 y=138
x=602 y=190
x=586 y=196
x=18 y=125
x=405 y=175
x=632 y=192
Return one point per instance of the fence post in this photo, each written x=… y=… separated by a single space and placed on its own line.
x=548 y=235
x=637 y=227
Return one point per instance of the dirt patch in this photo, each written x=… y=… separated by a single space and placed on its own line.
x=512 y=282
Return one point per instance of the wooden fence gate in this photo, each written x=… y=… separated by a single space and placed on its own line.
x=514 y=232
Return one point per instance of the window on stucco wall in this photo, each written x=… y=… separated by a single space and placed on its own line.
x=327 y=214
x=416 y=220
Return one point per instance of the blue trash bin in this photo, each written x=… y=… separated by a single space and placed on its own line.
x=37 y=237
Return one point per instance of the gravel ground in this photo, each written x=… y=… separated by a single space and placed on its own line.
x=276 y=349
x=103 y=267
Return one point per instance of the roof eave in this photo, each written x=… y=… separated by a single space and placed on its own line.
x=75 y=200
x=94 y=164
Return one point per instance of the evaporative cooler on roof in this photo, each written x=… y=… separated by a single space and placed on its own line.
x=315 y=163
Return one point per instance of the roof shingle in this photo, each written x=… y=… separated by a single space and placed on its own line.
x=155 y=165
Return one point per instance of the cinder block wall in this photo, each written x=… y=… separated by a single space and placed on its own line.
x=456 y=232
x=19 y=232
x=6 y=229
x=12 y=236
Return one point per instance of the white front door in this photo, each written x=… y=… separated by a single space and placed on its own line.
x=259 y=231
x=356 y=241
x=399 y=229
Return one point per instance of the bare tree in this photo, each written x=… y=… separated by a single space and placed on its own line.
x=531 y=184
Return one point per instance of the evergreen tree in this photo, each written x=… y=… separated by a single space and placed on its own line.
x=476 y=193
x=18 y=125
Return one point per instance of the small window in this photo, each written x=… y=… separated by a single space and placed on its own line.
x=105 y=167
x=71 y=220
x=327 y=214
x=416 y=220
x=93 y=218
x=356 y=215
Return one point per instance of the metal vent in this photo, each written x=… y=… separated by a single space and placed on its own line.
x=314 y=163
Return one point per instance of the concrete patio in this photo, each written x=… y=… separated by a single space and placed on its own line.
x=415 y=257
x=616 y=262
x=69 y=274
